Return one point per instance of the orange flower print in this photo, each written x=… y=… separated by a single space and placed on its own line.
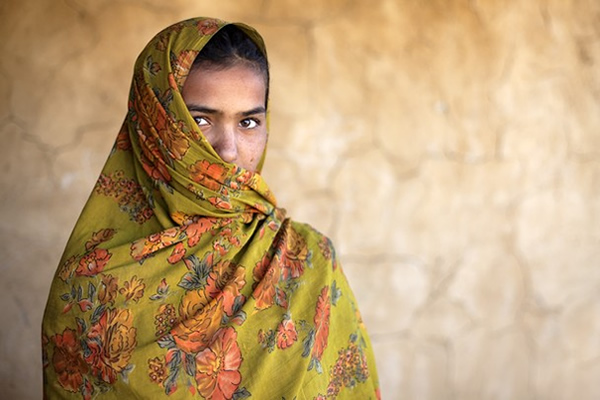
x=177 y=254
x=208 y=26
x=217 y=367
x=181 y=66
x=295 y=254
x=182 y=218
x=66 y=269
x=151 y=157
x=128 y=194
x=162 y=291
x=328 y=251
x=231 y=237
x=68 y=360
x=165 y=319
x=172 y=82
x=262 y=337
x=157 y=371
x=152 y=66
x=174 y=141
x=93 y=262
x=321 y=321
x=153 y=117
x=267 y=274
x=226 y=278
x=219 y=248
x=133 y=289
x=199 y=227
x=107 y=290
x=158 y=172
x=325 y=247
x=111 y=342
x=199 y=320
x=220 y=202
x=142 y=248
x=153 y=113
x=192 y=134
x=87 y=390
x=209 y=175
x=103 y=235
x=162 y=41
x=286 y=334
x=349 y=370
x=261 y=268
x=123 y=142
x=152 y=160
x=245 y=177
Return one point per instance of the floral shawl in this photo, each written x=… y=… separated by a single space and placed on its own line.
x=182 y=279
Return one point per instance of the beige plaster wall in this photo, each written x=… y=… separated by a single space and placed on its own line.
x=450 y=148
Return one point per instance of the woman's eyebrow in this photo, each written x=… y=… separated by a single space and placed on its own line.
x=256 y=110
x=208 y=110
x=202 y=109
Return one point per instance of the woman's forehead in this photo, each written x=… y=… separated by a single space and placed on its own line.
x=238 y=89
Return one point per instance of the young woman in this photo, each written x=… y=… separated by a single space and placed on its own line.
x=182 y=278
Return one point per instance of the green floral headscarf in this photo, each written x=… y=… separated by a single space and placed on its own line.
x=182 y=279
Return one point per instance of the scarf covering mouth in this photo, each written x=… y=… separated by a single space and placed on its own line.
x=182 y=278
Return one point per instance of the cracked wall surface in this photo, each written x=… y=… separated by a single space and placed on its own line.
x=451 y=150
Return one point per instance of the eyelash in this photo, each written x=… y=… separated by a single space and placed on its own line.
x=255 y=120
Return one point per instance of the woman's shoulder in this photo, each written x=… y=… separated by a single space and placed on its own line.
x=308 y=232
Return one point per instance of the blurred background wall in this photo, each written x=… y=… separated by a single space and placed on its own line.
x=451 y=149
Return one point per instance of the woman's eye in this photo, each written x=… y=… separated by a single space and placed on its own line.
x=201 y=121
x=249 y=123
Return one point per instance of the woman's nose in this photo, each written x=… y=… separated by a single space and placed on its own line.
x=226 y=144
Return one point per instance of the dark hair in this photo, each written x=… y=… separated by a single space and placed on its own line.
x=231 y=46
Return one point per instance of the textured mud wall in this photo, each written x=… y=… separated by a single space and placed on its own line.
x=450 y=148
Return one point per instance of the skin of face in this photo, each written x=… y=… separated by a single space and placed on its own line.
x=229 y=107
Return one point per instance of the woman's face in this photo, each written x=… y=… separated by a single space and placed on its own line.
x=229 y=107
